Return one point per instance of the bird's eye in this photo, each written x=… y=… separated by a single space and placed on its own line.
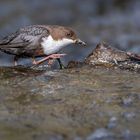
x=69 y=35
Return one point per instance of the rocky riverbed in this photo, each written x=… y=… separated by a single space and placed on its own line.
x=84 y=103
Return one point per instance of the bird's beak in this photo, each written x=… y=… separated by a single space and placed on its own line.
x=80 y=42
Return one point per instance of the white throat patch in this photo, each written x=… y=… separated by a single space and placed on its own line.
x=51 y=46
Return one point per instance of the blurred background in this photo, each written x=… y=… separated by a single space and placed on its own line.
x=116 y=22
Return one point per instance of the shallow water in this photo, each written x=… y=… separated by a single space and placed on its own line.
x=81 y=103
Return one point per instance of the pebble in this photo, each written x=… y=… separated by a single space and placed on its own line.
x=129 y=115
x=101 y=134
x=112 y=122
x=127 y=101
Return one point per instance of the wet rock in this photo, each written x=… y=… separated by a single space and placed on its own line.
x=73 y=64
x=130 y=99
x=67 y=104
x=8 y=72
x=44 y=137
x=112 y=122
x=101 y=134
x=127 y=101
x=128 y=135
x=105 y=55
x=129 y=115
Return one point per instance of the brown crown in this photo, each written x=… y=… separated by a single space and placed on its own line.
x=59 y=32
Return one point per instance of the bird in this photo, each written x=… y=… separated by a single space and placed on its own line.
x=39 y=41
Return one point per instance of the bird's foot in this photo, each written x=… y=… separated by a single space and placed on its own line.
x=50 y=58
x=34 y=62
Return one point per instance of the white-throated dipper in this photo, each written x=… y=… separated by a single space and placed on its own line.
x=39 y=40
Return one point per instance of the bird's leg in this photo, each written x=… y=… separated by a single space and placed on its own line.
x=52 y=56
x=15 y=60
x=34 y=61
x=50 y=61
x=60 y=63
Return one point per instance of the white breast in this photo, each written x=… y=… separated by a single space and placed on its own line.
x=51 y=46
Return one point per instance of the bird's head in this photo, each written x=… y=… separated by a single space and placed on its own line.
x=65 y=35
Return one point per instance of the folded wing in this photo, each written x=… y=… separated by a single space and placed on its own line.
x=24 y=37
x=25 y=41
